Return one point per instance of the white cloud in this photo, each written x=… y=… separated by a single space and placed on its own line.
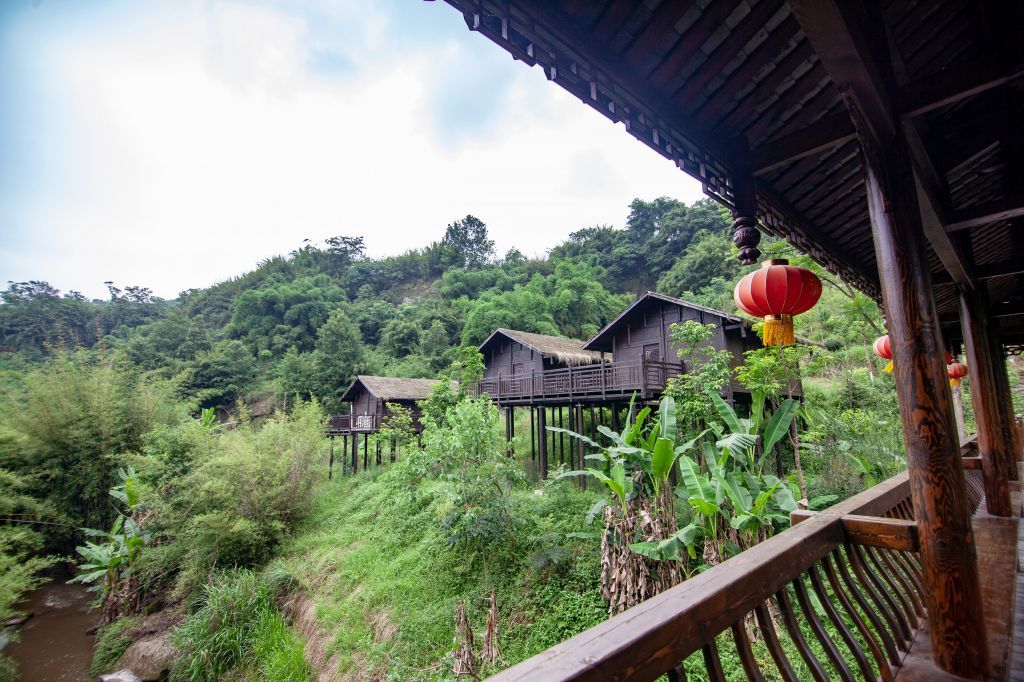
x=200 y=142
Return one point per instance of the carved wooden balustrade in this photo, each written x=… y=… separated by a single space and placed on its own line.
x=837 y=596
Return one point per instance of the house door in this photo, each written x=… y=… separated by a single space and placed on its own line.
x=518 y=377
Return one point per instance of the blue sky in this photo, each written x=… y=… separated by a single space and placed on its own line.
x=176 y=144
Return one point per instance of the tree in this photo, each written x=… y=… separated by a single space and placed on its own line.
x=467 y=243
x=221 y=375
x=401 y=337
x=338 y=357
x=707 y=257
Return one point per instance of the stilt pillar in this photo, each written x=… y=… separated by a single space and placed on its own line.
x=952 y=590
x=330 y=462
x=533 y=434
x=355 y=453
x=542 y=442
x=992 y=445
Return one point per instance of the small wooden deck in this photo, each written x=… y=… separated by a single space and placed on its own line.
x=346 y=424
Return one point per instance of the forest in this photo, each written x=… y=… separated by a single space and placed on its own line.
x=173 y=451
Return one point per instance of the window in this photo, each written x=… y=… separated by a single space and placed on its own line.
x=652 y=351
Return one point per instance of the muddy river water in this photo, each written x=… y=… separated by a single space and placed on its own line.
x=55 y=644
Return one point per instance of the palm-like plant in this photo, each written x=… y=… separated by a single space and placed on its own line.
x=110 y=562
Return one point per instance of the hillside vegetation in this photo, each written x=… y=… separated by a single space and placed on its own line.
x=188 y=435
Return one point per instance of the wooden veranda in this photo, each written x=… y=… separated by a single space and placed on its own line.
x=883 y=138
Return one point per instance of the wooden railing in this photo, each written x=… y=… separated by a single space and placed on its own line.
x=580 y=382
x=348 y=423
x=837 y=596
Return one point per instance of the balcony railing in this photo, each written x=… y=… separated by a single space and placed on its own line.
x=618 y=378
x=348 y=423
x=838 y=596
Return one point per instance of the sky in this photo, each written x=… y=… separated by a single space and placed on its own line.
x=175 y=144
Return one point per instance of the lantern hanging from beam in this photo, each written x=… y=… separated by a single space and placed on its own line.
x=883 y=350
x=776 y=293
x=956 y=371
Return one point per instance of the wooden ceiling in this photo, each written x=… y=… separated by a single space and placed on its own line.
x=726 y=87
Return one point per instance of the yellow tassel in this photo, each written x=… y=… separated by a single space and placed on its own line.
x=953 y=383
x=778 y=330
x=888 y=368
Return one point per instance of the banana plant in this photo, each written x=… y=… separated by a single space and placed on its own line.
x=640 y=459
x=112 y=559
x=731 y=489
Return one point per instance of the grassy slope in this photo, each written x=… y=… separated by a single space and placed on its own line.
x=386 y=585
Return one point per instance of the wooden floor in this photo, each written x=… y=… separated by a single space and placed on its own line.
x=1016 y=667
x=1000 y=546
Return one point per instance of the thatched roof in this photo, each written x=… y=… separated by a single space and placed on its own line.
x=391 y=388
x=565 y=351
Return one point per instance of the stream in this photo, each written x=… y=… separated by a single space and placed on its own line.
x=55 y=644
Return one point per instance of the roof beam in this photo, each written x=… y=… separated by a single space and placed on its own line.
x=953 y=84
x=560 y=26
x=990 y=271
x=847 y=56
x=826 y=133
x=984 y=214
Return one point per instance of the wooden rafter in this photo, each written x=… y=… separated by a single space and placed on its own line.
x=984 y=214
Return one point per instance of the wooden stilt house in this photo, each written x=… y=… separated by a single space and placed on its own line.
x=368 y=397
x=883 y=138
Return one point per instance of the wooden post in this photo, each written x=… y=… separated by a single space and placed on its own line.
x=573 y=426
x=377 y=445
x=355 y=452
x=542 y=442
x=952 y=589
x=394 y=445
x=510 y=428
x=579 y=446
x=330 y=462
x=533 y=440
x=344 y=451
x=1004 y=401
x=985 y=394
x=366 y=451
x=616 y=427
x=561 y=436
x=958 y=413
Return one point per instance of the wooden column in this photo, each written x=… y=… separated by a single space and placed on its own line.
x=579 y=446
x=561 y=436
x=1004 y=402
x=616 y=427
x=985 y=394
x=533 y=438
x=511 y=430
x=542 y=442
x=366 y=450
x=355 y=452
x=952 y=589
x=330 y=462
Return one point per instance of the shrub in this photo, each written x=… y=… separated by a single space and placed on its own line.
x=247 y=489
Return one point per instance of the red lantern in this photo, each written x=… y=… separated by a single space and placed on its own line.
x=883 y=350
x=957 y=371
x=776 y=293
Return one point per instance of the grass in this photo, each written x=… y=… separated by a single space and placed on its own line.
x=238 y=633
x=377 y=564
x=111 y=643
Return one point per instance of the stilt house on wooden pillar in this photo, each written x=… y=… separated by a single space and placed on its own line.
x=883 y=138
x=369 y=396
x=640 y=337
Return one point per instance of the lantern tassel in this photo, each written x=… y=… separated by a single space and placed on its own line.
x=954 y=383
x=778 y=330
x=888 y=368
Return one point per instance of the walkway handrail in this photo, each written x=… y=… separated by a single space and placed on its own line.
x=848 y=554
x=583 y=381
